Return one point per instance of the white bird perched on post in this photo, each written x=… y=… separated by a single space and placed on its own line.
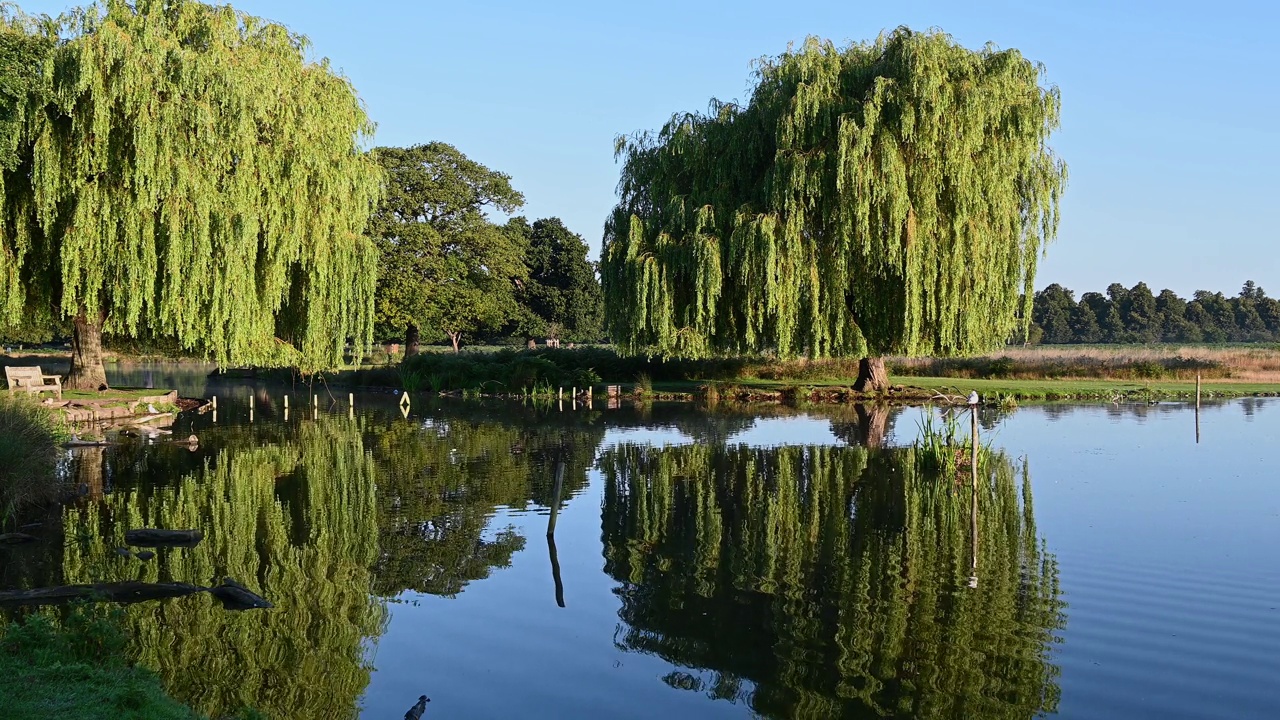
x=973 y=397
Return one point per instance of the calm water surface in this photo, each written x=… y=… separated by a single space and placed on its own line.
x=704 y=563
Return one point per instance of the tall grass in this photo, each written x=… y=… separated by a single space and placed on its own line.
x=30 y=435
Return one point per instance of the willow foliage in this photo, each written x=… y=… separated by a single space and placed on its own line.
x=188 y=172
x=296 y=522
x=822 y=582
x=886 y=197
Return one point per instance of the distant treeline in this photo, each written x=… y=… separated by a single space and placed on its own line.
x=1135 y=315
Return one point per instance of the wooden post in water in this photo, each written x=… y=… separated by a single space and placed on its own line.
x=551 y=532
x=251 y=401
x=351 y=400
x=1197 y=408
x=560 y=393
x=215 y=403
x=286 y=402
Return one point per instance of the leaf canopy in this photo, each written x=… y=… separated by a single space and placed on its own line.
x=885 y=197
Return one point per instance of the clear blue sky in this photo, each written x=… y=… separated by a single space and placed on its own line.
x=1171 y=110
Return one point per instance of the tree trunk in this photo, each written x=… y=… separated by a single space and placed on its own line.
x=411 y=340
x=454 y=338
x=872 y=377
x=87 y=372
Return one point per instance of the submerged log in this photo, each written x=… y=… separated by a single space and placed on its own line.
x=130 y=591
x=235 y=596
x=152 y=537
x=14 y=538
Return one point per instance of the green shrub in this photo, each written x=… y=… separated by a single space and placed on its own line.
x=1148 y=369
x=1001 y=367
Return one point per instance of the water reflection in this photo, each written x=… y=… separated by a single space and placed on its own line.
x=294 y=521
x=442 y=481
x=832 y=582
x=801 y=581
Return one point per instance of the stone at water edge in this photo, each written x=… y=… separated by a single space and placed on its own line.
x=144 y=554
x=123 y=552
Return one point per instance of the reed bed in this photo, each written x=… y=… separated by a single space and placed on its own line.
x=1243 y=363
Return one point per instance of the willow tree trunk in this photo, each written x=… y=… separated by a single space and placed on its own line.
x=455 y=338
x=872 y=377
x=411 y=340
x=87 y=372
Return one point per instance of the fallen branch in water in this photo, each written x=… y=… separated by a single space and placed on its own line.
x=233 y=595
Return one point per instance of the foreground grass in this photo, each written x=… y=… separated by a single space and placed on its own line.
x=29 y=437
x=78 y=671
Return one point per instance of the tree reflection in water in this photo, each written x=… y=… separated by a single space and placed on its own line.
x=295 y=522
x=832 y=582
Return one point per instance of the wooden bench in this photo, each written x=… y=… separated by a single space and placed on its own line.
x=30 y=378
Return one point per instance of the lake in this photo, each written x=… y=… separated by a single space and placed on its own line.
x=678 y=561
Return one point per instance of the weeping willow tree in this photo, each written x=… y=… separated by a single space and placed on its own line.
x=185 y=171
x=822 y=582
x=295 y=522
x=881 y=198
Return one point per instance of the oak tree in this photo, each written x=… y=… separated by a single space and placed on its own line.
x=446 y=268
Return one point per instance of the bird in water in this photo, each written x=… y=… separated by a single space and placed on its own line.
x=415 y=712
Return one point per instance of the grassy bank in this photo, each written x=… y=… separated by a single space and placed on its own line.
x=77 y=669
x=30 y=435
x=1058 y=373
